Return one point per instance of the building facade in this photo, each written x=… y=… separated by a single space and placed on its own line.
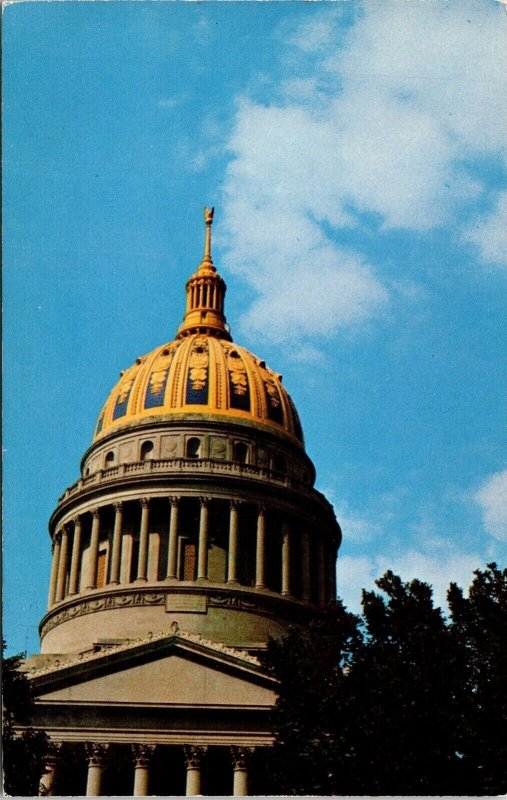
x=193 y=535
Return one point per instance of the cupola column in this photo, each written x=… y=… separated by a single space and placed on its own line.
x=94 y=550
x=260 y=549
x=142 y=560
x=202 y=558
x=96 y=757
x=117 y=533
x=76 y=557
x=232 y=563
x=173 y=538
x=193 y=760
x=321 y=573
x=54 y=568
x=142 y=755
x=305 y=566
x=286 y=546
x=333 y=572
x=62 y=566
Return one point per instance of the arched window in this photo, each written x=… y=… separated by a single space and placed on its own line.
x=146 y=450
x=240 y=452
x=193 y=447
x=109 y=460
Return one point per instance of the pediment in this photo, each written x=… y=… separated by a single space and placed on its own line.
x=168 y=672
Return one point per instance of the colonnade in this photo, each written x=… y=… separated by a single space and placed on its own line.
x=97 y=755
x=302 y=552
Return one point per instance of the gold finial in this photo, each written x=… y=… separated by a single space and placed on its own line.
x=208 y=218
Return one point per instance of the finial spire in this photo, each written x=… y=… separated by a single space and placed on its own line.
x=205 y=295
x=208 y=218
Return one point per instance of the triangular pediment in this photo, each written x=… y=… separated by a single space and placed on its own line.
x=167 y=671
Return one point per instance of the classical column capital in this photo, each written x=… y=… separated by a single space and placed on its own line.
x=95 y=512
x=234 y=503
x=205 y=501
x=142 y=754
x=261 y=510
x=174 y=500
x=76 y=520
x=240 y=756
x=57 y=538
x=96 y=753
x=145 y=501
x=118 y=506
x=194 y=755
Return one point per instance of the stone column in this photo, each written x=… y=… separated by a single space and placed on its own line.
x=76 y=557
x=172 y=556
x=48 y=778
x=285 y=558
x=96 y=758
x=305 y=566
x=260 y=549
x=240 y=756
x=142 y=755
x=142 y=559
x=321 y=573
x=62 y=566
x=94 y=550
x=117 y=533
x=232 y=562
x=54 y=568
x=202 y=559
x=332 y=570
x=193 y=761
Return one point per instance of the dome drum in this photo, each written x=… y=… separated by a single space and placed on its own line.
x=194 y=440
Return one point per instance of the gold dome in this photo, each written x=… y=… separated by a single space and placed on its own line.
x=202 y=373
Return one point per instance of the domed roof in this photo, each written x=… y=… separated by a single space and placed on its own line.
x=199 y=375
x=202 y=373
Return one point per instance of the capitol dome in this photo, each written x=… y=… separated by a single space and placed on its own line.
x=196 y=501
x=200 y=374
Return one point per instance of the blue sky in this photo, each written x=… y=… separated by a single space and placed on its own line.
x=357 y=159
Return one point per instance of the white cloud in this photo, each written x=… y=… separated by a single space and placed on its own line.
x=489 y=233
x=492 y=497
x=360 y=572
x=383 y=122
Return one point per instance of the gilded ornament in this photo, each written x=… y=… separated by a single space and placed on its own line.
x=160 y=370
x=199 y=360
x=271 y=388
x=237 y=373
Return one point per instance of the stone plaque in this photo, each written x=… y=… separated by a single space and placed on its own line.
x=169 y=446
x=196 y=603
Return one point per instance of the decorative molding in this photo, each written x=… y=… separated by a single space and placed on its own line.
x=241 y=756
x=235 y=601
x=194 y=755
x=96 y=753
x=93 y=655
x=112 y=601
x=142 y=754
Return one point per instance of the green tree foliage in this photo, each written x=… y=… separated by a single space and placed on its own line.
x=403 y=701
x=23 y=754
x=479 y=623
x=311 y=665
